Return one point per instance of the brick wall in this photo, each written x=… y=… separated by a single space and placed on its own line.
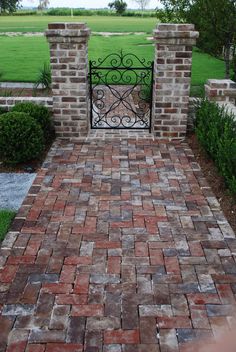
x=8 y=102
x=172 y=79
x=69 y=65
x=221 y=90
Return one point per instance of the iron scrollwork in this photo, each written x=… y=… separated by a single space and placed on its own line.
x=121 y=92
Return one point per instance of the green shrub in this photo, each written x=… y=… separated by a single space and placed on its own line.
x=2 y=110
x=65 y=11
x=216 y=131
x=21 y=138
x=146 y=93
x=233 y=64
x=44 y=77
x=40 y=113
x=21 y=12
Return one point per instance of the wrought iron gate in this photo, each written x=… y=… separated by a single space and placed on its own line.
x=121 y=92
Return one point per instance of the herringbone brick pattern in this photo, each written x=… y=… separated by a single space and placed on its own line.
x=120 y=246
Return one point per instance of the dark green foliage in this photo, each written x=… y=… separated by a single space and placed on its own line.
x=21 y=12
x=119 y=6
x=40 y=113
x=44 y=77
x=214 y=19
x=146 y=13
x=21 y=138
x=216 y=131
x=66 y=11
x=146 y=93
x=173 y=11
x=234 y=68
x=8 y=6
x=2 y=110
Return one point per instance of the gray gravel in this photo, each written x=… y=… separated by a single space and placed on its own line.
x=13 y=189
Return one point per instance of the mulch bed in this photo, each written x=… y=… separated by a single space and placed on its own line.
x=227 y=201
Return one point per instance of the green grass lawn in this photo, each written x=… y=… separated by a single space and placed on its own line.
x=22 y=57
x=96 y=23
x=6 y=217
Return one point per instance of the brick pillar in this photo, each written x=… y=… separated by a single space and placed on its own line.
x=172 y=79
x=221 y=90
x=69 y=66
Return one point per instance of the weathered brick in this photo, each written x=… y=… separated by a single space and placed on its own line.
x=171 y=62
x=121 y=336
x=220 y=310
x=71 y=47
x=18 y=309
x=73 y=299
x=59 y=317
x=155 y=310
x=76 y=330
x=164 y=285
x=57 y=288
x=81 y=284
x=173 y=322
x=148 y=330
x=91 y=310
x=46 y=336
x=36 y=348
x=103 y=323
x=64 y=347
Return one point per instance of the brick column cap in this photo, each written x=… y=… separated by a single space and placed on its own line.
x=221 y=83
x=68 y=29
x=174 y=30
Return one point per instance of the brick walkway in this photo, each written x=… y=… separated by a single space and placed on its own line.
x=120 y=246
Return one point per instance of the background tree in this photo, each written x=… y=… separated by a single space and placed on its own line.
x=43 y=4
x=119 y=5
x=142 y=4
x=8 y=6
x=214 y=19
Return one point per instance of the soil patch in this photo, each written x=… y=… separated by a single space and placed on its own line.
x=227 y=202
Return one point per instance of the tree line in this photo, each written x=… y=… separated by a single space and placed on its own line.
x=120 y=6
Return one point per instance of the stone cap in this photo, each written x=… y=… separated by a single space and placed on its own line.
x=175 y=30
x=67 y=29
x=221 y=83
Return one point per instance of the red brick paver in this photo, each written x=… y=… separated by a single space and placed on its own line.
x=120 y=246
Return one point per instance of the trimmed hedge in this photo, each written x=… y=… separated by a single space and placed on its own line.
x=21 y=138
x=215 y=128
x=40 y=113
